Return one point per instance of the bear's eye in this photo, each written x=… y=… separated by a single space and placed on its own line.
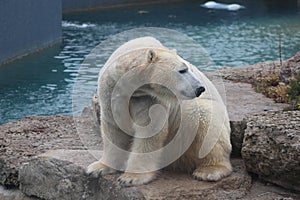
x=183 y=71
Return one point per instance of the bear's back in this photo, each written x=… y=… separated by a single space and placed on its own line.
x=134 y=45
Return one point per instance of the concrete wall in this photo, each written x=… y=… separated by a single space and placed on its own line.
x=28 y=25
x=74 y=5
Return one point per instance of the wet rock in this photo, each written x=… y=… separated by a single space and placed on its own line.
x=271 y=147
x=60 y=175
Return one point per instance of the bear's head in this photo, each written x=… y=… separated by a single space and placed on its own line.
x=170 y=75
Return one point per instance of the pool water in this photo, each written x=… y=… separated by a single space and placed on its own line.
x=42 y=83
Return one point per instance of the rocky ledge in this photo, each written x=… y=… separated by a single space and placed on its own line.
x=61 y=175
x=22 y=140
x=287 y=70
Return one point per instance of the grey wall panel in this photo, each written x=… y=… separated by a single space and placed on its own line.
x=28 y=25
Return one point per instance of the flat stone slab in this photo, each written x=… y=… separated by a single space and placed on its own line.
x=243 y=101
x=60 y=174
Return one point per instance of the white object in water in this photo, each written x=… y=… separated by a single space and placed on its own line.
x=223 y=6
x=77 y=25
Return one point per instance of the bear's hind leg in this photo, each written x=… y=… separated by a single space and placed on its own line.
x=140 y=169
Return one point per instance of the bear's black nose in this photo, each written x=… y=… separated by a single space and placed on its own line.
x=199 y=91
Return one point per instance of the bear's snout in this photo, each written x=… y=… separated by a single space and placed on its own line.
x=199 y=91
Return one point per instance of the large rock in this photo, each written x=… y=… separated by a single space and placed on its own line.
x=61 y=175
x=271 y=147
x=14 y=194
x=21 y=140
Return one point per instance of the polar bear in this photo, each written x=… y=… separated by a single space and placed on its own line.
x=190 y=104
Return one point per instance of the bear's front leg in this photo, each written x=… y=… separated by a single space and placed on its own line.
x=143 y=169
x=112 y=160
x=212 y=172
x=216 y=165
x=99 y=168
x=214 y=148
x=131 y=179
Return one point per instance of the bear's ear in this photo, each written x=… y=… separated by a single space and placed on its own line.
x=151 y=56
x=174 y=51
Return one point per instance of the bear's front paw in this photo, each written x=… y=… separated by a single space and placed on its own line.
x=211 y=173
x=97 y=168
x=131 y=179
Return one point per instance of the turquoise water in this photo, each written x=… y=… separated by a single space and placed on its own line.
x=41 y=84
